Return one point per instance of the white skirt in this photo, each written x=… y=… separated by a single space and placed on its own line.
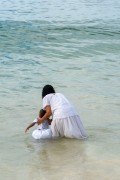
x=42 y=134
x=70 y=127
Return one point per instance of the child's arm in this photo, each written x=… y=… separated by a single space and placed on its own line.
x=31 y=125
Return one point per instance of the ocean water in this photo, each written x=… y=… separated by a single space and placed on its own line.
x=75 y=46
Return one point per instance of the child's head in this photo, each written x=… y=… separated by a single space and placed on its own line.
x=41 y=113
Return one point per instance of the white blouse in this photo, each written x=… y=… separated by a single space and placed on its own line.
x=60 y=106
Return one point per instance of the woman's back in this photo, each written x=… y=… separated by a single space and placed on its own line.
x=60 y=105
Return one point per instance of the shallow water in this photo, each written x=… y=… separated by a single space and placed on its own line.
x=75 y=46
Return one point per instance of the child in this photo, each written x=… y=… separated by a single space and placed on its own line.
x=43 y=131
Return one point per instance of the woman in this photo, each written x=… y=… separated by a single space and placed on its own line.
x=65 y=120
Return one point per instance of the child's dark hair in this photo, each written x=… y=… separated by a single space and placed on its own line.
x=47 y=89
x=41 y=113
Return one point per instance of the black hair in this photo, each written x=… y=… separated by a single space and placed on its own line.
x=47 y=89
x=41 y=113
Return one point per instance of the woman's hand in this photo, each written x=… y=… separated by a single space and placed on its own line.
x=49 y=121
x=39 y=121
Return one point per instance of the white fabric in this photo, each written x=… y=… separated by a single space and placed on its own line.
x=42 y=134
x=66 y=121
x=42 y=131
x=43 y=125
x=60 y=105
x=70 y=127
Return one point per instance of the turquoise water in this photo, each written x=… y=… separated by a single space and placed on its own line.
x=75 y=46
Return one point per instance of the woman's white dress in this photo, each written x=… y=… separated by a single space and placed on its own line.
x=65 y=121
x=42 y=131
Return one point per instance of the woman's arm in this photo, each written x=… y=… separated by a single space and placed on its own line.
x=46 y=116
